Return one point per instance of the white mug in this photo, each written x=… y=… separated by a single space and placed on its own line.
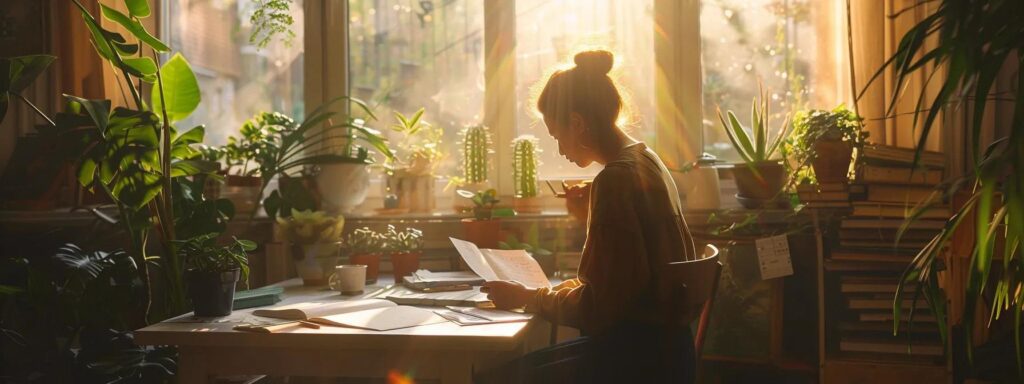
x=349 y=279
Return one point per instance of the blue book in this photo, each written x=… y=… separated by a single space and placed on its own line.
x=258 y=297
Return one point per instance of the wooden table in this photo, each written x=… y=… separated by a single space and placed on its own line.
x=444 y=351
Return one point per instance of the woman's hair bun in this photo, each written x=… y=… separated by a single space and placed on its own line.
x=597 y=61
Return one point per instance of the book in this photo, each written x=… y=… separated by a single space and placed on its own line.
x=886 y=316
x=402 y=295
x=475 y=316
x=828 y=204
x=891 y=193
x=257 y=297
x=887 y=154
x=372 y=314
x=869 y=173
x=423 y=279
x=904 y=244
x=502 y=264
x=865 y=284
x=886 y=235
x=862 y=223
x=824 y=196
x=897 y=210
x=884 y=303
x=893 y=346
x=888 y=255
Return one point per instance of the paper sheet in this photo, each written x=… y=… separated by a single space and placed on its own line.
x=516 y=265
x=773 y=257
x=474 y=259
x=384 y=319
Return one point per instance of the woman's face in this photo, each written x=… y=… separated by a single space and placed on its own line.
x=573 y=141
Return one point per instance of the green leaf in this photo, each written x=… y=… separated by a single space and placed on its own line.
x=140 y=66
x=20 y=72
x=179 y=88
x=192 y=167
x=135 y=27
x=138 y=8
x=99 y=40
x=98 y=110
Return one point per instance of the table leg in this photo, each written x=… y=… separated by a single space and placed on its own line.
x=192 y=368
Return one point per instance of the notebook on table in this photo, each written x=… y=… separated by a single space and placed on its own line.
x=372 y=314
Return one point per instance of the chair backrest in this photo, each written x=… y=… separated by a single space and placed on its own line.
x=692 y=286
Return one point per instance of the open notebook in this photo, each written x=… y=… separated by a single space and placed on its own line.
x=502 y=264
x=374 y=314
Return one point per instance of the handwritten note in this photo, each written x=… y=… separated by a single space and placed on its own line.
x=773 y=257
x=502 y=264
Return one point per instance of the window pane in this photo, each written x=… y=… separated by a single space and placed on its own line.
x=743 y=41
x=407 y=55
x=548 y=33
x=236 y=79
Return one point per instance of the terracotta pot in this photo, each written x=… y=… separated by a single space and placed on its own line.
x=405 y=263
x=759 y=181
x=832 y=163
x=483 y=233
x=243 y=191
x=372 y=263
x=315 y=262
x=526 y=204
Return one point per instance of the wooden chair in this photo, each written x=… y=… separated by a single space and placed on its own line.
x=691 y=286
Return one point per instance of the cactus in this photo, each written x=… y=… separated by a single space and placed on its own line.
x=524 y=165
x=476 y=143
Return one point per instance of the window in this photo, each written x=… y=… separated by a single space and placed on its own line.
x=772 y=41
x=548 y=33
x=237 y=80
x=406 y=55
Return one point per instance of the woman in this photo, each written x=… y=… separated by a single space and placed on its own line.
x=635 y=227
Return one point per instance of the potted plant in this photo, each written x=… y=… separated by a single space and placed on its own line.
x=212 y=271
x=761 y=177
x=410 y=174
x=364 y=246
x=483 y=228
x=345 y=178
x=825 y=141
x=314 y=238
x=405 y=248
x=524 y=173
x=476 y=142
x=244 y=179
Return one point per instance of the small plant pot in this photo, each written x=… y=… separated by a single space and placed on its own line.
x=372 y=263
x=315 y=262
x=243 y=191
x=405 y=263
x=483 y=233
x=759 y=181
x=832 y=161
x=527 y=204
x=212 y=293
x=343 y=186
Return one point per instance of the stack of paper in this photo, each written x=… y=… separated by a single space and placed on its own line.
x=475 y=316
x=424 y=279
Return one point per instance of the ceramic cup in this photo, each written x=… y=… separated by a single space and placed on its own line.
x=349 y=279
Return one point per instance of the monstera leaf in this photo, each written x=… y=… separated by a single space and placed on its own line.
x=17 y=73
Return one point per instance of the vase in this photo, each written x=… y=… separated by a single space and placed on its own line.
x=832 y=161
x=404 y=264
x=343 y=186
x=212 y=293
x=372 y=263
x=315 y=262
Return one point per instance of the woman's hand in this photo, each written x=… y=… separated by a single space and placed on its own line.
x=507 y=294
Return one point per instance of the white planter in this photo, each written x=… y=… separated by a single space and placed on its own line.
x=343 y=186
x=700 y=188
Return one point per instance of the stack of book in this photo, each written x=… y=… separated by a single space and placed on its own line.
x=427 y=281
x=825 y=195
x=872 y=253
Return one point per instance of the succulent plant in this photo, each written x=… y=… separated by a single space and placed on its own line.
x=310 y=227
x=407 y=240
x=476 y=142
x=483 y=202
x=757 y=147
x=364 y=241
x=524 y=165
